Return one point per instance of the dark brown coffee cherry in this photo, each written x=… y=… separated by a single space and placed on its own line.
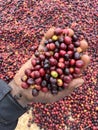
x=66 y=71
x=66 y=57
x=76 y=56
x=35 y=92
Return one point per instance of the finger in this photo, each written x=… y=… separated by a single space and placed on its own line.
x=86 y=60
x=49 y=33
x=83 y=45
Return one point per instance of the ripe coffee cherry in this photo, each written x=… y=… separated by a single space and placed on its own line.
x=61 y=60
x=28 y=72
x=61 y=65
x=68 y=40
x=44 y=89
x=63 y=46
x=65 y=85
x=52 y=46
x=67 y=79
x=53 y=61
x=42 y=72
x=30 y=81
x=72 y=62
x=35 y=92
x=77 y=44
x=70 y=54
x=38 y=81
x=24 y=85
x=76 y=56
x=32 y=75
x=56 y=55
x=60 y=71
x=58 y=31
x=42 y=57
x=71 y=47
x=77 y=70
x=33 y=61
x=37 y=67
x=36 y=74
x=79 y=63
x=47 y=54
x=71 y=70
x=62 y=52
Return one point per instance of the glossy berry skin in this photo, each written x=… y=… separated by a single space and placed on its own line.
x=74 y=38
x=67 y=79
x=58 y=31
x=57 y=44
x=77 y=44
x=66 y=71
x=42 y=72
x=62 y=52
x=76 y=56
x=59 y=82
x=53 y=61
x=61 y=65
x=56 y=55
x=72 y=62
x=68 y=40
x=24 y=85
x=60 y=71
x=42 y=57
x=63 y=46
x=79 y=63
x=77 y=70
x=52 y=46
x=33 y=61
x=36 y=74
x=30 y=81
x=65 y=85
x=38 y=81
x=28 y=72
x=35 y=92
x=44 y=83
x=71 y=47
x=44 y=89
x=52 y=80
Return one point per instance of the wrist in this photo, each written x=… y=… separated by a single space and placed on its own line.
x=18 y=95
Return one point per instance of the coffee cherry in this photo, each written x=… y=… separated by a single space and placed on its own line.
x=42 y=57
x=35 y=92
x=58 y=31
x=28 y=72
x=71 y=47
x=70 y=53
x=77 y=70
x=38 y=87
x=24 y=78
x=65 y=32
x=47 y=77
x=60 y=71
x=53 y=68
x=44 y=89
x=32 y=75
x=77 y=44
x=44 y=83
x=33 y=61
x=61 y=39
x=61 y=60
x=56 y=55
x=76 y=56
x=37 y=67
x=74 y=38
x=59 y=82
x=47 y=54
x=54 y=74
x=72 y=62
x=79 y=63
x=66 y=57
x=71 y=70
x=68 y=40
x=42 y=72
x=61 y=65
x=62 y=52
x=52 y=80
x=30 y=81
x=37 y=54
x=66 y=71
x=55 y=38
x=67 y=79
x=52 y=46
x=57 y=44
x=50 y=40
x=83 y=45
x=24 y=85
x=70 y=32
x=63 y=46
x=38 y=81
x=53 y=61
x=36 y=74
x=46 y=66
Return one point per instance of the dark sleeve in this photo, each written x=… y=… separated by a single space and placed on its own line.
x=10 y=109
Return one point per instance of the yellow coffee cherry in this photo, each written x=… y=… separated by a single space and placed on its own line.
x=54 y=38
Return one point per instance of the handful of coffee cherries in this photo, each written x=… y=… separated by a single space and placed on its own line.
x=57 y=65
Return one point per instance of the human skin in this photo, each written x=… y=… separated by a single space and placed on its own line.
x=26 y=95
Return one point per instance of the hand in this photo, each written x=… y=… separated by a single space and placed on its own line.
x=44 y=97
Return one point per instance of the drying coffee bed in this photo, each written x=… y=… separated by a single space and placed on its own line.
x=22 y=24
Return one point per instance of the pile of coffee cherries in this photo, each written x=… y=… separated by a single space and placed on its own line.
x=59 y=62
